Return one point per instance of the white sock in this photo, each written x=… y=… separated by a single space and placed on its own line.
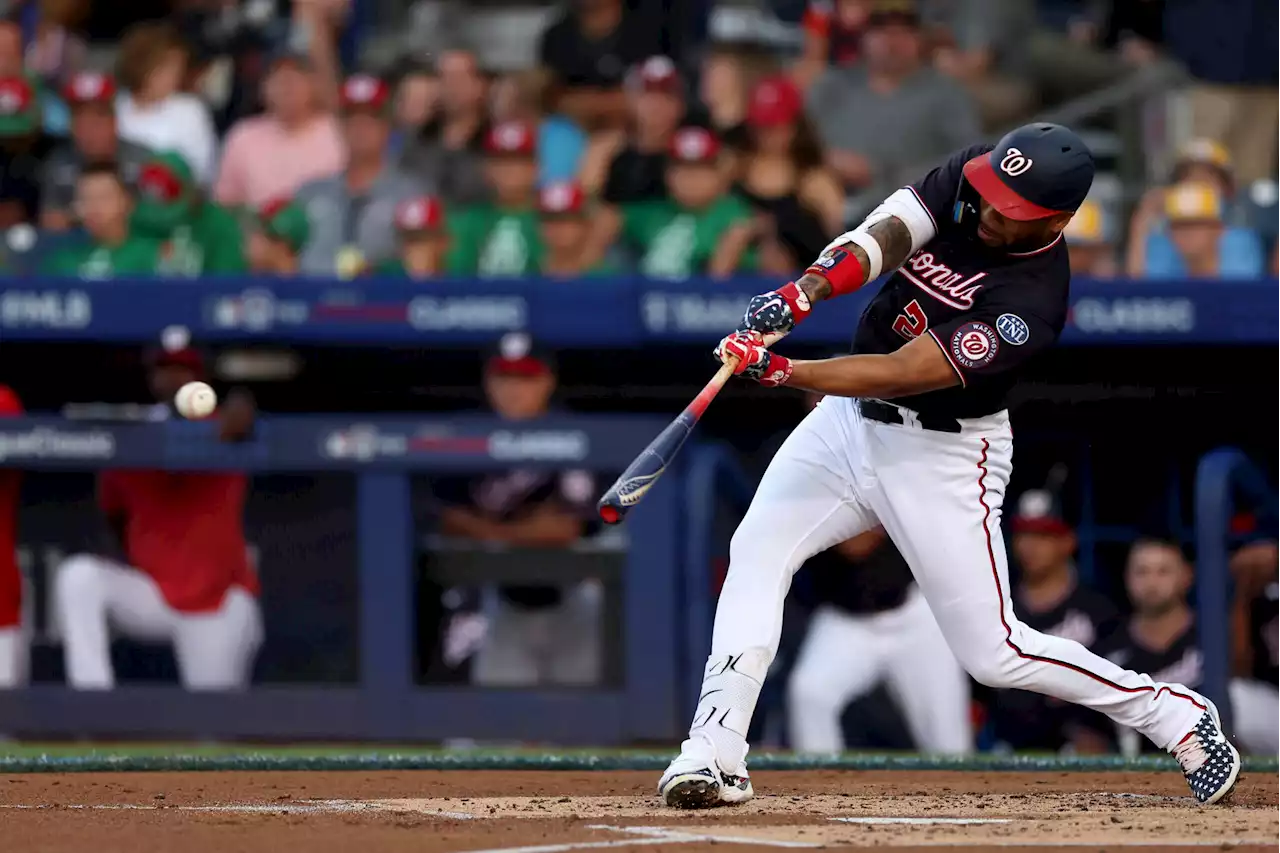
x=730 y=687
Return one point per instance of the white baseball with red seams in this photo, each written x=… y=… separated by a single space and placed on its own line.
x=195 y=400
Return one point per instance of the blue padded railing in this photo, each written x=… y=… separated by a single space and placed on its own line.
x=1222 y=476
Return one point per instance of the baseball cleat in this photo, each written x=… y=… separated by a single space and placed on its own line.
x=695 y=782
x=1209 y=761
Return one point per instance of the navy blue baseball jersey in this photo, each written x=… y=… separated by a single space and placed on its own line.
x=989 y=310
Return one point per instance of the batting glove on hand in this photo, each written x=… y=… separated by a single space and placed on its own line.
x=747 y=353
x=776 y=311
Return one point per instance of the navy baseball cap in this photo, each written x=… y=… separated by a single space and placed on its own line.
x=1036 y=171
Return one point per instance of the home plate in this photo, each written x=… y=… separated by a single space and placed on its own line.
x=922 y=821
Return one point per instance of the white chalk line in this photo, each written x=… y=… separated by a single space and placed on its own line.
x=922 y=821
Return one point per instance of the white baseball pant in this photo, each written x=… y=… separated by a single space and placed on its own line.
x=845 y=655
x=94 y=596
x=15 y=657
x=560 y=644
x=1256 y=708
x=939 y=497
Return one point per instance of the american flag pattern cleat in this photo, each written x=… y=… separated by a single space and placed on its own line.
x=1209 y=761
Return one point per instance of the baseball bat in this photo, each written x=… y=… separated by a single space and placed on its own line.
x=645 y=469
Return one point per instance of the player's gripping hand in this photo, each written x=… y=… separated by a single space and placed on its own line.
x=776 y=311
x=747 y=353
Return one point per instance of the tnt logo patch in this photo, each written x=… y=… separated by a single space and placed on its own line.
x=974 y=345
x=1013 y=329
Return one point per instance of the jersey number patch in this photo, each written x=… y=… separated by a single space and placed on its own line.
x=912 y=322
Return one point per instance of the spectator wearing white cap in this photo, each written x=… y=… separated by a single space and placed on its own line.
x=1196 y=243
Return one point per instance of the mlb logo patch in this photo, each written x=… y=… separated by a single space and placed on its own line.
x=1013 y=329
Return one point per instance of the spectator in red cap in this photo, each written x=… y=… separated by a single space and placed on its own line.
x=783 y=174
x=352 y=213
x=295 y=141
x=702 y=229
x=91 y=97
x=14 y=635
x=186 y=576
x=631 y=165
x=562 y=209
x=501 y=239
x=424 y=242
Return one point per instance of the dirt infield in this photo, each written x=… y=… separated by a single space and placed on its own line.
x=555 y=811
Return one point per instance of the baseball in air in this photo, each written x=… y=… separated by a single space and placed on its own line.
x=195 y=400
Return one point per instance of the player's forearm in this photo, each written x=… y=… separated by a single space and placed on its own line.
x=894 y=240
x=917 y=368
x=852 y=376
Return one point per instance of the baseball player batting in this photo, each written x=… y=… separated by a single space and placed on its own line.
x=914 y=436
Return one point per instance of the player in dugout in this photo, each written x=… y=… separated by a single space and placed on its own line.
x=1160 y=635
x=185 y=577
x=547 y=633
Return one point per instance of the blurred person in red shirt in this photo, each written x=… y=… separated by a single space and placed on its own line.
x=188 y=578
x=14 y=655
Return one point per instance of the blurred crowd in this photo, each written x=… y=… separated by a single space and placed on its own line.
x=223 y=136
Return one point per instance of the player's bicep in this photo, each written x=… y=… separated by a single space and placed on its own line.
x=990 y=343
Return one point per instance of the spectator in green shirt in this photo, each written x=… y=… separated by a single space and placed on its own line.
x=280 y=235
x=199 y=237
x=500 y=239
x=701 y=229
x=563 y=215
x=104 y=204
x=424 y=241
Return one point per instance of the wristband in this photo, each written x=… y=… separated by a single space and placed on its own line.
x=797 y=300
x=841 y=268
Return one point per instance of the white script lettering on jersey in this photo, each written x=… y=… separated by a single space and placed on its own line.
x=927 y=272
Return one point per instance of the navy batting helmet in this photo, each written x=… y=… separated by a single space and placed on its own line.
x=1036 y=171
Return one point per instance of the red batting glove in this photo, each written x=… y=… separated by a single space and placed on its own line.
x=747 y=353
